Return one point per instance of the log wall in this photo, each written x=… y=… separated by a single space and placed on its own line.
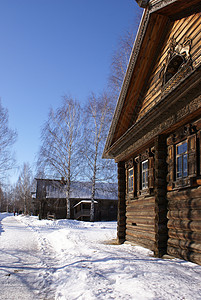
x=184 y=224
x=187 y=27
x=121 y=215
x=146 y=213
x=140 y=225
x=160 y=196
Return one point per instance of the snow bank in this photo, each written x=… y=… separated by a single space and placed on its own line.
x=85 y=265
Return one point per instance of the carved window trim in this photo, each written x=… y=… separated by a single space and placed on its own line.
x=178 y=64
x=173 y=67
x=187 y=135
x=129 y=165
x=136 y=164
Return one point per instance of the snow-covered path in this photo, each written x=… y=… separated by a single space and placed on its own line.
x=68 y=260
x=24 y=272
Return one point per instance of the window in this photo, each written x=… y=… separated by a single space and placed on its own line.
x=173 y=67
x=181 y=160
x=145 y=174
x=130 y=180
x=140 y=174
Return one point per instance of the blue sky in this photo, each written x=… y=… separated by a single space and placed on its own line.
x=50 y=48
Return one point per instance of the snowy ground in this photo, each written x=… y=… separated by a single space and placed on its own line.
x=66 y=259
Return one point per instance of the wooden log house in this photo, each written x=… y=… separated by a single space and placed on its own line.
x=155 y=135
x=50 y=200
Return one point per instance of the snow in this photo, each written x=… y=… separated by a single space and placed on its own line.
x=54 y=189
x=68 y=259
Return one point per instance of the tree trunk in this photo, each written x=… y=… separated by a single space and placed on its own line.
x=92 y=211
x=67 y=204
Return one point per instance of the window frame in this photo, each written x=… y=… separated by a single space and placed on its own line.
x=130 y=188
x=145 y=183
x=184 y=161
x=185 y=175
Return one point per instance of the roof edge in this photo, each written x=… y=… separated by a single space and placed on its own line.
x=142 y=3
x=133 y=58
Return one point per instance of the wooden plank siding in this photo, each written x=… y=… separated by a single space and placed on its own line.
x=184 y=224
x=189 y=27
x=144 y=63
x=140 y=225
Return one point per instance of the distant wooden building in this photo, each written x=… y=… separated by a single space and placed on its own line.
x=50 y=201
x=155 y=135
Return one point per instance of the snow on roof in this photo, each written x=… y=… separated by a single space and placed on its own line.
x=84 y=201
x=81 y=190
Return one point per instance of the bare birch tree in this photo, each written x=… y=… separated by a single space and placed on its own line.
x=60 y=139
x=98 y=117
x=7 y=139
x=23 y=189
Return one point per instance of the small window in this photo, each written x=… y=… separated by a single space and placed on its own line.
x=181 y=160
x=130 y=180
x=173 y=67
x=145 y=174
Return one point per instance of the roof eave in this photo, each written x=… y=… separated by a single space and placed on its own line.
x=142 y=3
x=133 y=58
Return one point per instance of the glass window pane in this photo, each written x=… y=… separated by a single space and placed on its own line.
x=145 y=174
x=182 y=160
x=182 y=148
x=179 y=166
x=130 y=180
x=147 y=178
x=185 y=165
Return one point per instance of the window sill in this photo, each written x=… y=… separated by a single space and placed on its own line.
x=184 y=183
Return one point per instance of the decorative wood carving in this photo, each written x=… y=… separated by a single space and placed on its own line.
x=185 y=106
x=129 y=164
x=160 y=5
x=178 y=64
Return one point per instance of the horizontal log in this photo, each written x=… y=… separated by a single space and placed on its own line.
x=184 y=225
x=186 y=245
x=184 y=254
x=183 y=235
x=144 y=211
x=194 y=193
x=140 y=214
x=186 y=214
x=141 y=234
x=142 y=201
x=141 y=221
x=141 y=242
x=190 y=203
x=137 y=206
x=140 y=228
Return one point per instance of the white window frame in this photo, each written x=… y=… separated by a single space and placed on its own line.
x=130 y=184
x=144 y=174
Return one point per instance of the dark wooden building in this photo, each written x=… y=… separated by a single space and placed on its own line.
x=50 y=201
x=155 y=135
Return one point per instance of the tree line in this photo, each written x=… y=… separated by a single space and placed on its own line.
x=72 y=141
